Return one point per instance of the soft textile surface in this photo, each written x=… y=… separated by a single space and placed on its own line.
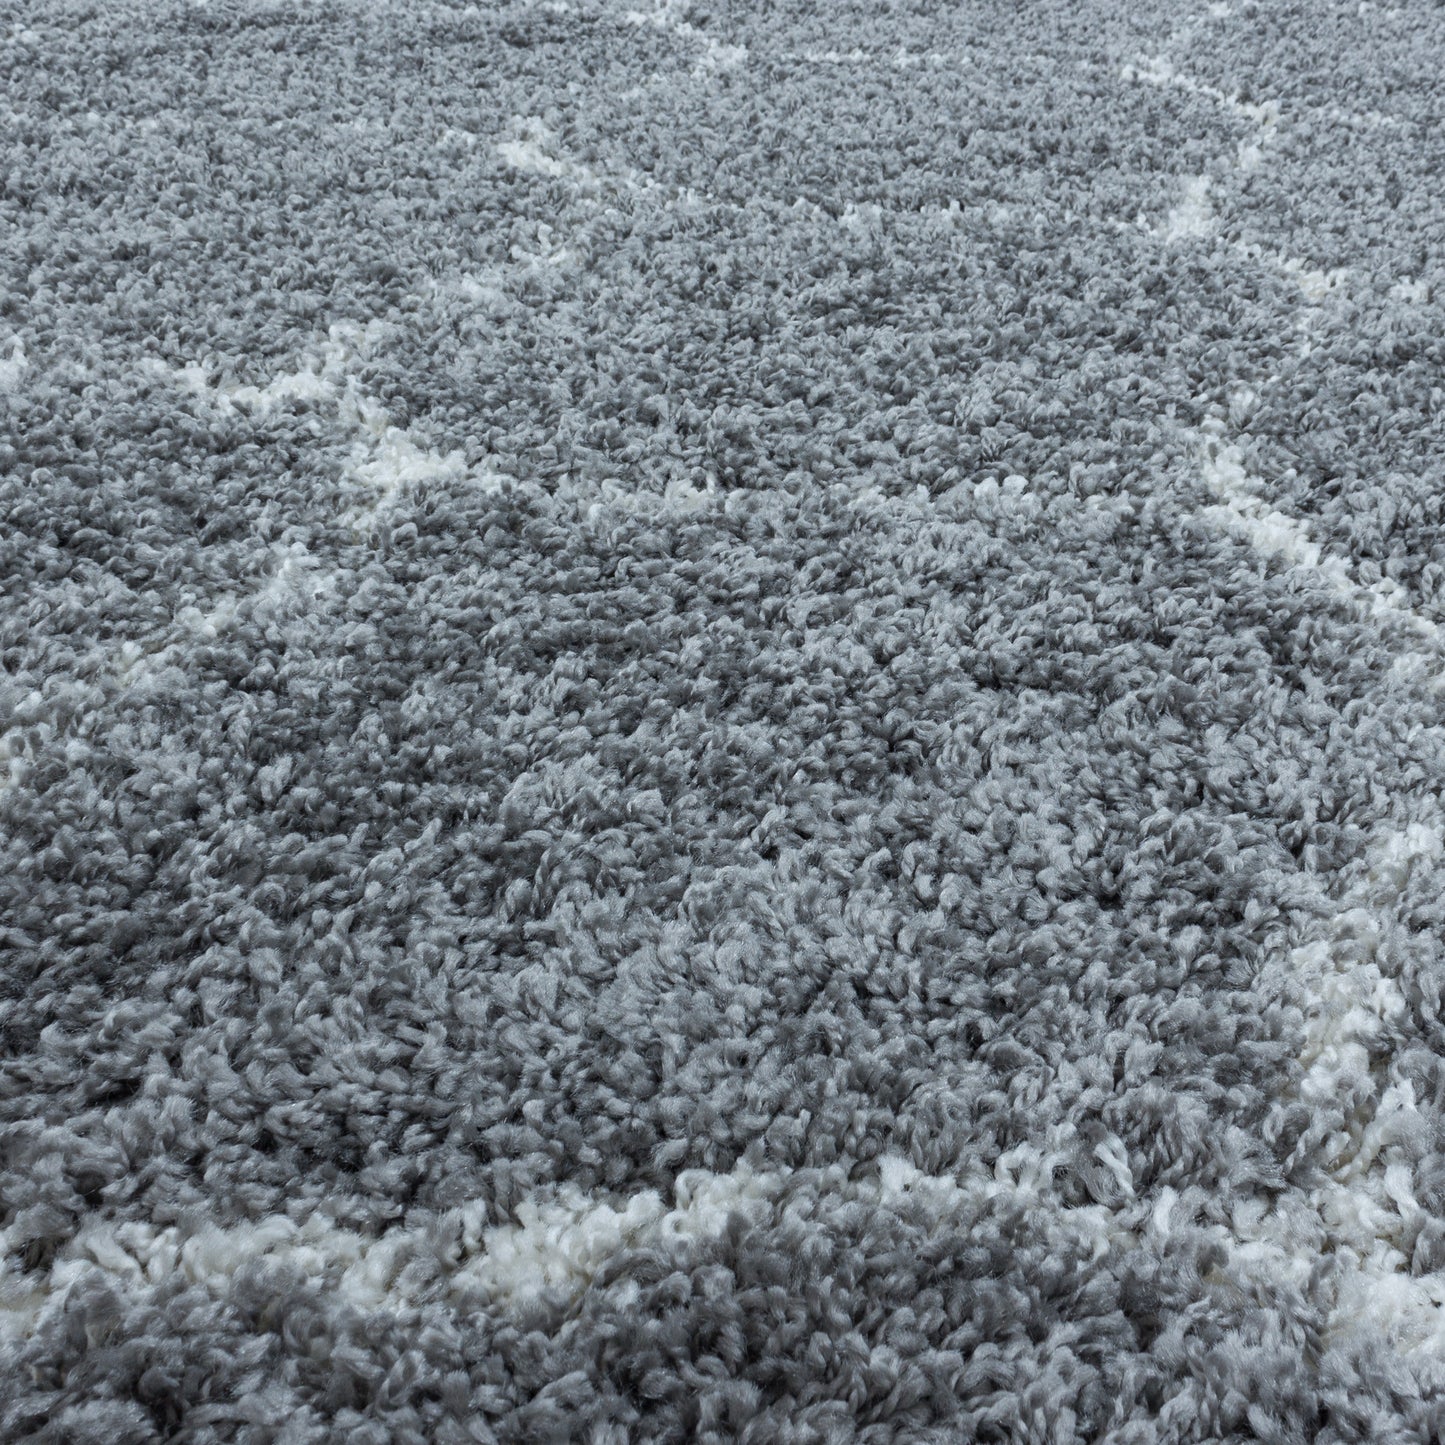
x=721 y=722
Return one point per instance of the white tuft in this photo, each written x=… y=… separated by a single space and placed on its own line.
x=1315 y=283
x=387 y=459
x=861 y=219
x=558 y=1245
x=536 y=148
x=855 y=56
x=1416 y=292
x=669 y=15
x=529 y=154
x=562 y=1243
x=1365 y=1214
x=1193 y=216
x=14 y=366
x=1275 y=534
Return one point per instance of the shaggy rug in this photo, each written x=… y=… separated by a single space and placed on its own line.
x=721 y=722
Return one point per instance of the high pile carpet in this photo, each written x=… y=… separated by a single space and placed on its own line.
x=722 y=722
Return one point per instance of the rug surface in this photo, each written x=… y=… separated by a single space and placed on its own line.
x=721 y=722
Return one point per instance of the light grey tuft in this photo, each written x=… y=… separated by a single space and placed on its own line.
x=722 y=722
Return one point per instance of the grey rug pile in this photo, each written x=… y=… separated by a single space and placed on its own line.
x=722 y=722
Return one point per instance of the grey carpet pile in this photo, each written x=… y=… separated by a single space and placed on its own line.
x=722 y=722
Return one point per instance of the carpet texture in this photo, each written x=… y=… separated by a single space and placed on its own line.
x=722 y=722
